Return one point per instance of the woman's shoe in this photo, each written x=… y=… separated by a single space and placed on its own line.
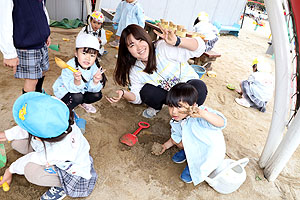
x=150 y=112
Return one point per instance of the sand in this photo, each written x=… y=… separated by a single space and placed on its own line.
x=133 y=172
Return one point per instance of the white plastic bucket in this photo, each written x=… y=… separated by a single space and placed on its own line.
x=229 y=176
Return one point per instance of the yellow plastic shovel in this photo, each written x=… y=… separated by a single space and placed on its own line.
x=64 y=65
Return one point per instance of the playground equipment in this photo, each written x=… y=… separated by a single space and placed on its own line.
x=279 y=147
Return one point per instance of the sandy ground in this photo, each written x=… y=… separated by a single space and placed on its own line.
x=134 y=173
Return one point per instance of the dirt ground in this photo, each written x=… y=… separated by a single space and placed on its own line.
x=134 y=173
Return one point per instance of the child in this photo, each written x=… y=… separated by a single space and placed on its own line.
x=24 y=41
x=258 y=89
x=94 y=27
x=128 y=12
x=203 y=26
x=82 y=87
x=56 y=152
x=195 y=130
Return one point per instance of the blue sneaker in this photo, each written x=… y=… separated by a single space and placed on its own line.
x=185 y=175
x=56 y=193
x=179 y=157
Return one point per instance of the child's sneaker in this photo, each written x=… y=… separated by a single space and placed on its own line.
x=114 y=44
x=150 y=112
x=88 y=108
x=242 y=102
x=56 y=193
x=179 y=157
x=185 y=175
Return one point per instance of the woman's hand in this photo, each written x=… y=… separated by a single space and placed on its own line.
x=2 y=137
x=168 y=35
x=116 y=99
x=98 y=76
x=7 y=177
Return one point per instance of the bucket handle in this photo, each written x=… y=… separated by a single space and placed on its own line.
x=243 y=162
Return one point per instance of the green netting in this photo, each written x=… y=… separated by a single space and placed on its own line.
x=67 y=24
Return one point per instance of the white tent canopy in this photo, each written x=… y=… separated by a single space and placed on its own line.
x=226 y=12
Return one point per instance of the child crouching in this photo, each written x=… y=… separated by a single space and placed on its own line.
x=56 y=152
x=195 y=130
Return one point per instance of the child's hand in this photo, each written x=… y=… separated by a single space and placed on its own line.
x=168 y=35
x=98 y=76
x=158 y=149
x=193 y=111
x=7 y=177
x=77 y=76
x=2 y=137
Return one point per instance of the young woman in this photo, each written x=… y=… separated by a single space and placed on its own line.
x=150 y=71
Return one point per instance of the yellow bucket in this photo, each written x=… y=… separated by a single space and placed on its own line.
x=108 y=35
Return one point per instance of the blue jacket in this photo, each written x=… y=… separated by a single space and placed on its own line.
x=129 y=13
x=65 y=83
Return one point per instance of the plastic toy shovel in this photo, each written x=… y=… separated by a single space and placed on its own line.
x=64 y=65
x=130 y=139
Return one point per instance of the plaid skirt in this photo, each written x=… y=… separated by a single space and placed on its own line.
x=254 y=102
x=76 y=186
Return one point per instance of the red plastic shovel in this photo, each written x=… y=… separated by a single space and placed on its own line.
x=130 y=139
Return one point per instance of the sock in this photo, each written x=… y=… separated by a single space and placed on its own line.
x=38 y=87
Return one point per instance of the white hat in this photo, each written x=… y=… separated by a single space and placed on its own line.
x=87 y=40
x=263 y=66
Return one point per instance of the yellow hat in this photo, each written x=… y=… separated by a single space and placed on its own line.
x=255 y=61
x=203 y=16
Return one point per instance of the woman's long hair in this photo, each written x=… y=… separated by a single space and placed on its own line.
x=125 y=60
